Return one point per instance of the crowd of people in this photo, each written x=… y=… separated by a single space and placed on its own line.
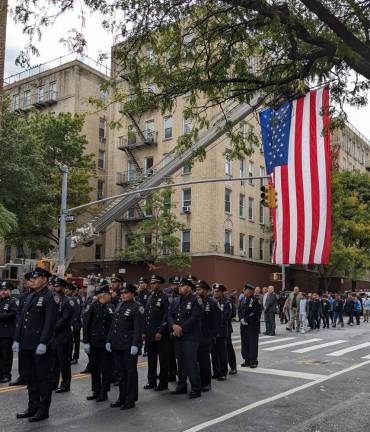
x=184 y=329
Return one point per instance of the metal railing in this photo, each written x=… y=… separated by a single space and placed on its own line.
x=135 y=141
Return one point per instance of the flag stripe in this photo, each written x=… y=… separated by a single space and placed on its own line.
x=299 y=181
x=279 y=216
x=315 y=191
x=325 y=104
x=286 y=213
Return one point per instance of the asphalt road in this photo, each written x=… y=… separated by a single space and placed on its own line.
x=316 y=382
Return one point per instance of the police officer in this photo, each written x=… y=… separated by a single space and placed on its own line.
x=156 y=335
x=116 y=282
x=249 y=315
x=124 y=339
x=8 y=318
x=219 y=349
x=231 y=357
x=185 y=322
x=72 y=290
x=211 y=321
x=62 y=340
x=143 y=291
x=96 y=326
x=173 y=292
x=33 y=335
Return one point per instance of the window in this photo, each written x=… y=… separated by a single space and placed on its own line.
x=250 y=246
x=262 y=174
x=103 y=95
x=100 y=189
x=15 y=102
x=228 y=242
x=167 y=202
x=185 y=241
x=148 y=239
x=8 y=254
x=251 y=171
x=149 y=131
x=241 y=205
x=98 y=252
x=186 y=169
x=101 y=159
x=131 y=171
x=250 y=208
x=53 y=90
x=168 y=127
x=227 y=201
x=187 y=125
x=186 y=197
x=27 y=99
x=102 y=125
x=228 y=169
x=148 y=164
x=262 y=214
x=241 y=244
x=148 y=208
x=167 y=158
x=241 y=169
x=271 y=247
x=131 y=135
x=262 y=247
x=270 y=215
x=40 y=94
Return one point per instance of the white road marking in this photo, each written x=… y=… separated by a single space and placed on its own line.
x=350 y=349
x=238 y=338
x=367 y=357
x=279 y=372
x=276 y=340
x=282 y=395
x=279 y=347
x=316 y=347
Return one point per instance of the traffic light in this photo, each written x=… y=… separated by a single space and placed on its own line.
x=271 y=197
x=265 y=195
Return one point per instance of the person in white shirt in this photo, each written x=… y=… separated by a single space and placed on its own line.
x=303 y=313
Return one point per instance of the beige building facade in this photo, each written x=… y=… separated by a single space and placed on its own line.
x=64 y=85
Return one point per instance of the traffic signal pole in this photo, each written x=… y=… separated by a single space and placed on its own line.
x=62 y=222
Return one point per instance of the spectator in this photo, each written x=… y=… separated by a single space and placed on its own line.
x=303 y=305
x=293 y=306
x=366 y=309
x=325 y=311
x=357 y=306
x=270 y=305
x=331 y=312
x=350 y=309
x=281 y=302
x=338 y=310
x=315 y=312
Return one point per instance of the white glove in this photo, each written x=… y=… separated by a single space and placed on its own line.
x=87 y=348
x=242 y=322
x=108 y=347
x=15 y=346
x=41 y=349
x=134 y=350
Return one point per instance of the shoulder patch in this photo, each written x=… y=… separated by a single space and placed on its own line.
x=72 y=303
x=141 y=309
x=56 y=299
x=17 y=302
x=200 y=302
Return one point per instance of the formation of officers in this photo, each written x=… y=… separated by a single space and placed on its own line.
x=184 y=329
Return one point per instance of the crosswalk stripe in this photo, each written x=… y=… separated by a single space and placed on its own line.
x=285 y=373
x=349 y=349
x=279 y=347
x=316 y=347
x=367 y=357
x=236 y=339
x=276 y=340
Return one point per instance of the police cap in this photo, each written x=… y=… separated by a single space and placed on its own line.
x=142 y=279
x=57 y=281
x=202 y=284
x=219 y=287
x=156 y=279
x=249 y=286
x=174 y=280
x=6 y=285
x=188 y=282
x=40 y=272
x=28 y=275
x=117 y=278
x=128 y=288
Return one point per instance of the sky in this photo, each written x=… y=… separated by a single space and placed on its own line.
x=99 y=41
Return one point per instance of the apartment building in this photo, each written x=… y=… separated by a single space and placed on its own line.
x=63 y=85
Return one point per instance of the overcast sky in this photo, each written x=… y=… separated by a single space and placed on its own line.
x=100 y=41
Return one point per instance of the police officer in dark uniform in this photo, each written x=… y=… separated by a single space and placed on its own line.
x=219 y=349
x=231 y=357
x=72 y=290
x=173 y=292
x=96 y=326
x=116 y=282
x=124 y=340
x=21 y=380
x=185 y=322
x=143 y=291
x=33 y=335
x=62 y=340
x=157 y=335
x=8 y=319
x=211 y=321
x=249 y=315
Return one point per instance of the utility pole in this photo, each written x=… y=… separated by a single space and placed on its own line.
x=3 y=19
x=62 y=222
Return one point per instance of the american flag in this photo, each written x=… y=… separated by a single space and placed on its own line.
x=296 y=144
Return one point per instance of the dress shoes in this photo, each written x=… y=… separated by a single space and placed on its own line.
x=102 y=397
x=206 y=388
x=149 y=387
x=74 y=361
x=221 y=378
x=194 y=394
x=38 y=417
x=5 y=380
x=63 y=389
x=117 y=404
x=245 y=364
x=85 y=371
x=18 y=381
x=92 y=396
x=253 y=365
x=128 y=405
x=233 y=372
x=25 y=414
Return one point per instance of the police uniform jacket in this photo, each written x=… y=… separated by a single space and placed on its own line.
x=127 y=326
x=249 y=310
x=156 y=315
x=143 y=296
x=37 y=321
x=187 y=312
x=76 y=319
x=22 y=301
x=97 y=324
x=115 y=300
x=211 y=318
x=225 y=307
x=8 y=317
x=66 y=310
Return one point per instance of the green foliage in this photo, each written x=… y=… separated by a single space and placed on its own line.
x=350 y=247
x=31 y=148
x=155 y=239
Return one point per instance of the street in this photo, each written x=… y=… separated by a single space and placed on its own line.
x=304 y=383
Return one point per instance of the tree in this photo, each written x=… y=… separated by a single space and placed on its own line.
x=31 y=147
x=155 y=240
x=350 y=243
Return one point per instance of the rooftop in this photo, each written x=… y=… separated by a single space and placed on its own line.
x=56 y=63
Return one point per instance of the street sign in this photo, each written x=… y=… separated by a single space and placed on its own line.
x=61 y=270
x=69 y=218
